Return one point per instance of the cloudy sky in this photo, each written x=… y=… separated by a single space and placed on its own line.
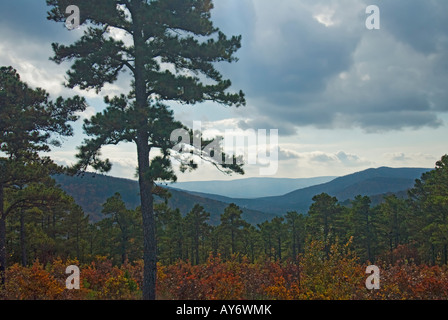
x=343 y=98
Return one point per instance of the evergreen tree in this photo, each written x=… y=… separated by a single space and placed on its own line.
x=361 y=227
x=429 y=202
x=171 y=238
x=395 y=216
x=231 y=227
x=197 y=228
x=279 y=230
x=296 y=227
x=267 y=238
x=323 y=217
x=76 y=227
x=125 y=221
x=28 y=120
x=251 y=241
x=170 y=50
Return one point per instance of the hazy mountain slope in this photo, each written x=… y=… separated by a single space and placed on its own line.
x=250 y=187
x=91 y=191
x=368 y=182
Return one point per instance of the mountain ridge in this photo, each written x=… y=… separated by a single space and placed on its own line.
x=253 y=187
x=93 y=191
x=369 y=182
x=90 y=191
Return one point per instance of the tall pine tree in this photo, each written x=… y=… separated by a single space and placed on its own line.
x=170 y=50
x=28 y=120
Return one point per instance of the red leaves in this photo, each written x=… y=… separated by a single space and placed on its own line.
x=33 y=283
x=337 y=276
x=99 y=280
x=409 y=281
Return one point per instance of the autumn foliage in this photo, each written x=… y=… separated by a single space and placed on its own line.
x=316 y=275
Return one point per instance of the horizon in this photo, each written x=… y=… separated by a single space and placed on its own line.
x=245 y=178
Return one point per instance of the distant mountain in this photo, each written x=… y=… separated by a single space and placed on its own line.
x=90 y=191
x=250 y=187
x=370 y=182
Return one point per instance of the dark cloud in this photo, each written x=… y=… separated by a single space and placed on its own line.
x=418 y=23
x=284 y=129
x=304 y=63
x=26 y=20
x=292 y=68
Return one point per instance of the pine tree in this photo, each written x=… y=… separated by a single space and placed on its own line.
x=42 y=202
x=196 y=224
x=429 y=202
x=323 y=218
x=28 y=120
x=122 y=218
x=170 y=233
x=170 y=50
x=361 y=226
x=296 y=228
x=395 y=217
x=232 y=225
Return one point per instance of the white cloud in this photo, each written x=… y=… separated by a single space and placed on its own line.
x=339 y=158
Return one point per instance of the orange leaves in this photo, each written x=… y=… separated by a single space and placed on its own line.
x=32 y=283
x=107 y=282
x=99 y=280
x=315 y=275
x=214 y=280
x=409 y=281
x=279 y=291
x=222 y=280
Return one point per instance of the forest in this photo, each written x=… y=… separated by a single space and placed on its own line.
x=169 y=51
x=321 y=254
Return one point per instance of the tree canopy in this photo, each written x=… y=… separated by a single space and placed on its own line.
x=29 y=125
x=170 y=48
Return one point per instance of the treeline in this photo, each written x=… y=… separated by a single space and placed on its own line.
x=413 y=228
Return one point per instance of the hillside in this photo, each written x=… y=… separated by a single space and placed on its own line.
x=90 y=191
x=256 y=187
x=370 y=182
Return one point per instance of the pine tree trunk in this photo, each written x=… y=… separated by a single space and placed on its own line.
x=2 y=238
x=294 y=239
x=196 y=244
x=143 y=150
x=23 y=239
x=149 y=236
x=279 y=243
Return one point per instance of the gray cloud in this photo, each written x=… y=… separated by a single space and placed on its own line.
x=339 y=158
x=400 y=157
x=420 y=24
x=298 y=72
x=285 y=154
x=285 y=129
x=302 y=63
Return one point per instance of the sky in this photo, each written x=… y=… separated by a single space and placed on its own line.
x=342 y=97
